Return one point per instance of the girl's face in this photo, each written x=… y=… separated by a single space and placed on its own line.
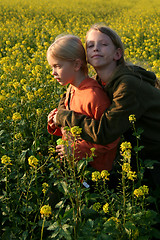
x=101 y=51
x=63 y=71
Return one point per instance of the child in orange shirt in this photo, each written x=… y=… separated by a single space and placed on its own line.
x=84 y=95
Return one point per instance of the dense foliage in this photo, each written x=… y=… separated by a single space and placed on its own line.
x=29 y=171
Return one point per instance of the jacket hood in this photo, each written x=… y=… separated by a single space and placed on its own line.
x=140 y=72
x=88 y=82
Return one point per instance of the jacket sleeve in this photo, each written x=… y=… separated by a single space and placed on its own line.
x=114 y=121
x=54 y=130
x=61 y=104
x=82 y=148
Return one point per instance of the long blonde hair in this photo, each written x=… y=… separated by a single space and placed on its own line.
x=68 y=47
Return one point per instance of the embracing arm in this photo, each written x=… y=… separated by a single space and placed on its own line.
x=114 y=122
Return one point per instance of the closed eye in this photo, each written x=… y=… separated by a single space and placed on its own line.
x=90 y=46
x=56 y=66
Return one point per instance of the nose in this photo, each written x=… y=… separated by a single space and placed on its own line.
x=96 y=47
x=54 y=72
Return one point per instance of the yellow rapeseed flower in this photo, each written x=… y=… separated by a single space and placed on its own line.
x=60 y=141
x=33 y=161
x=39 y=111
x=96 y=176
x=116 y=220
x=105 y=175
x=16 y=116
x=132 y=118
x=18 y=136
x=45 y=211
x=96 y=206
x=126 y=167
x=6 y=160
x=132 y=175
x=45 y=187
x=106 y=207
x=141 y=191
x=125 y=146
x=2 y=98
x=76 y=130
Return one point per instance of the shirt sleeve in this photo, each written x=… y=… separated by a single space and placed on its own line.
x=113 y=122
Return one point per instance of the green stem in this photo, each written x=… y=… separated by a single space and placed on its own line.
x=124 y=197
x=42 y=228
x=6 y=180
x=137 y=144
x=27 y=201
x=35 y=136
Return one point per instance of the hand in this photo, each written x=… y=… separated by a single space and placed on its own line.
x=54 y=118
x=62 y=150
x=51 y=118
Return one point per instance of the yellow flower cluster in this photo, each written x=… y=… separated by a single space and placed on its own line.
x=33 y=161
x=18 y=136
x=126 y=150
x=132 y=175
x=96 y=176
x=125 y=146
x=96 y=206
x=116 y=220
x=6 y=160
x=141 y=191
x=132 y=118
x=126 y=167
x=45 y=187
x=106 y=208
x=76 y=131
x=105 y=174
x=16 y=116
x=60 y=141
x=39 y=111
x=45 y=211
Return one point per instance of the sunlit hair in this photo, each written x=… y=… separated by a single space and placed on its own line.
x=68 y=48
x=115 y=38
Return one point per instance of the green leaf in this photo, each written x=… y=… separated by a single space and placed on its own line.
x=80 y=164
x=129 y=226
x=65 y=233
x=54 y=226
x=25 y=235
x=156 y=233
x=150 y=163
x=64 y=187
x=137 y=149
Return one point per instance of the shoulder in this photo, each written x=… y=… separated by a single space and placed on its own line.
x=125 y=78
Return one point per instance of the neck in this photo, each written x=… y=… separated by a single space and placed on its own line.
x=105 y=73
x=78 y=79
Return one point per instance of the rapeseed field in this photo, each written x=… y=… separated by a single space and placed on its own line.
x=28 y=92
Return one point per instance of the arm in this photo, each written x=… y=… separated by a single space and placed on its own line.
x=51 y=127
x=114 y=122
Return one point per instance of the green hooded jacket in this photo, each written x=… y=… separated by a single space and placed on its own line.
x=131 y=91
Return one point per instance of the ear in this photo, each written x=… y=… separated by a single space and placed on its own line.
x=118 y=54
x=77 y=64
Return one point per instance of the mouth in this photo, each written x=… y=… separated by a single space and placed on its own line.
x=96 y=56
x=58 y=79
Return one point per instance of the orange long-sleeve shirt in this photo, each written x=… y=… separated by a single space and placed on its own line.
x=90 y=99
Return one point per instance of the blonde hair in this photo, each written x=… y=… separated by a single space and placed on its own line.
x=115 y=38
x=68 y=48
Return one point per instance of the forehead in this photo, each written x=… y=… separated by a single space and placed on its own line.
x=54 y=60
x=94 y=35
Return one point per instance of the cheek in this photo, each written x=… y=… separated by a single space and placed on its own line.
x=88 y=56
